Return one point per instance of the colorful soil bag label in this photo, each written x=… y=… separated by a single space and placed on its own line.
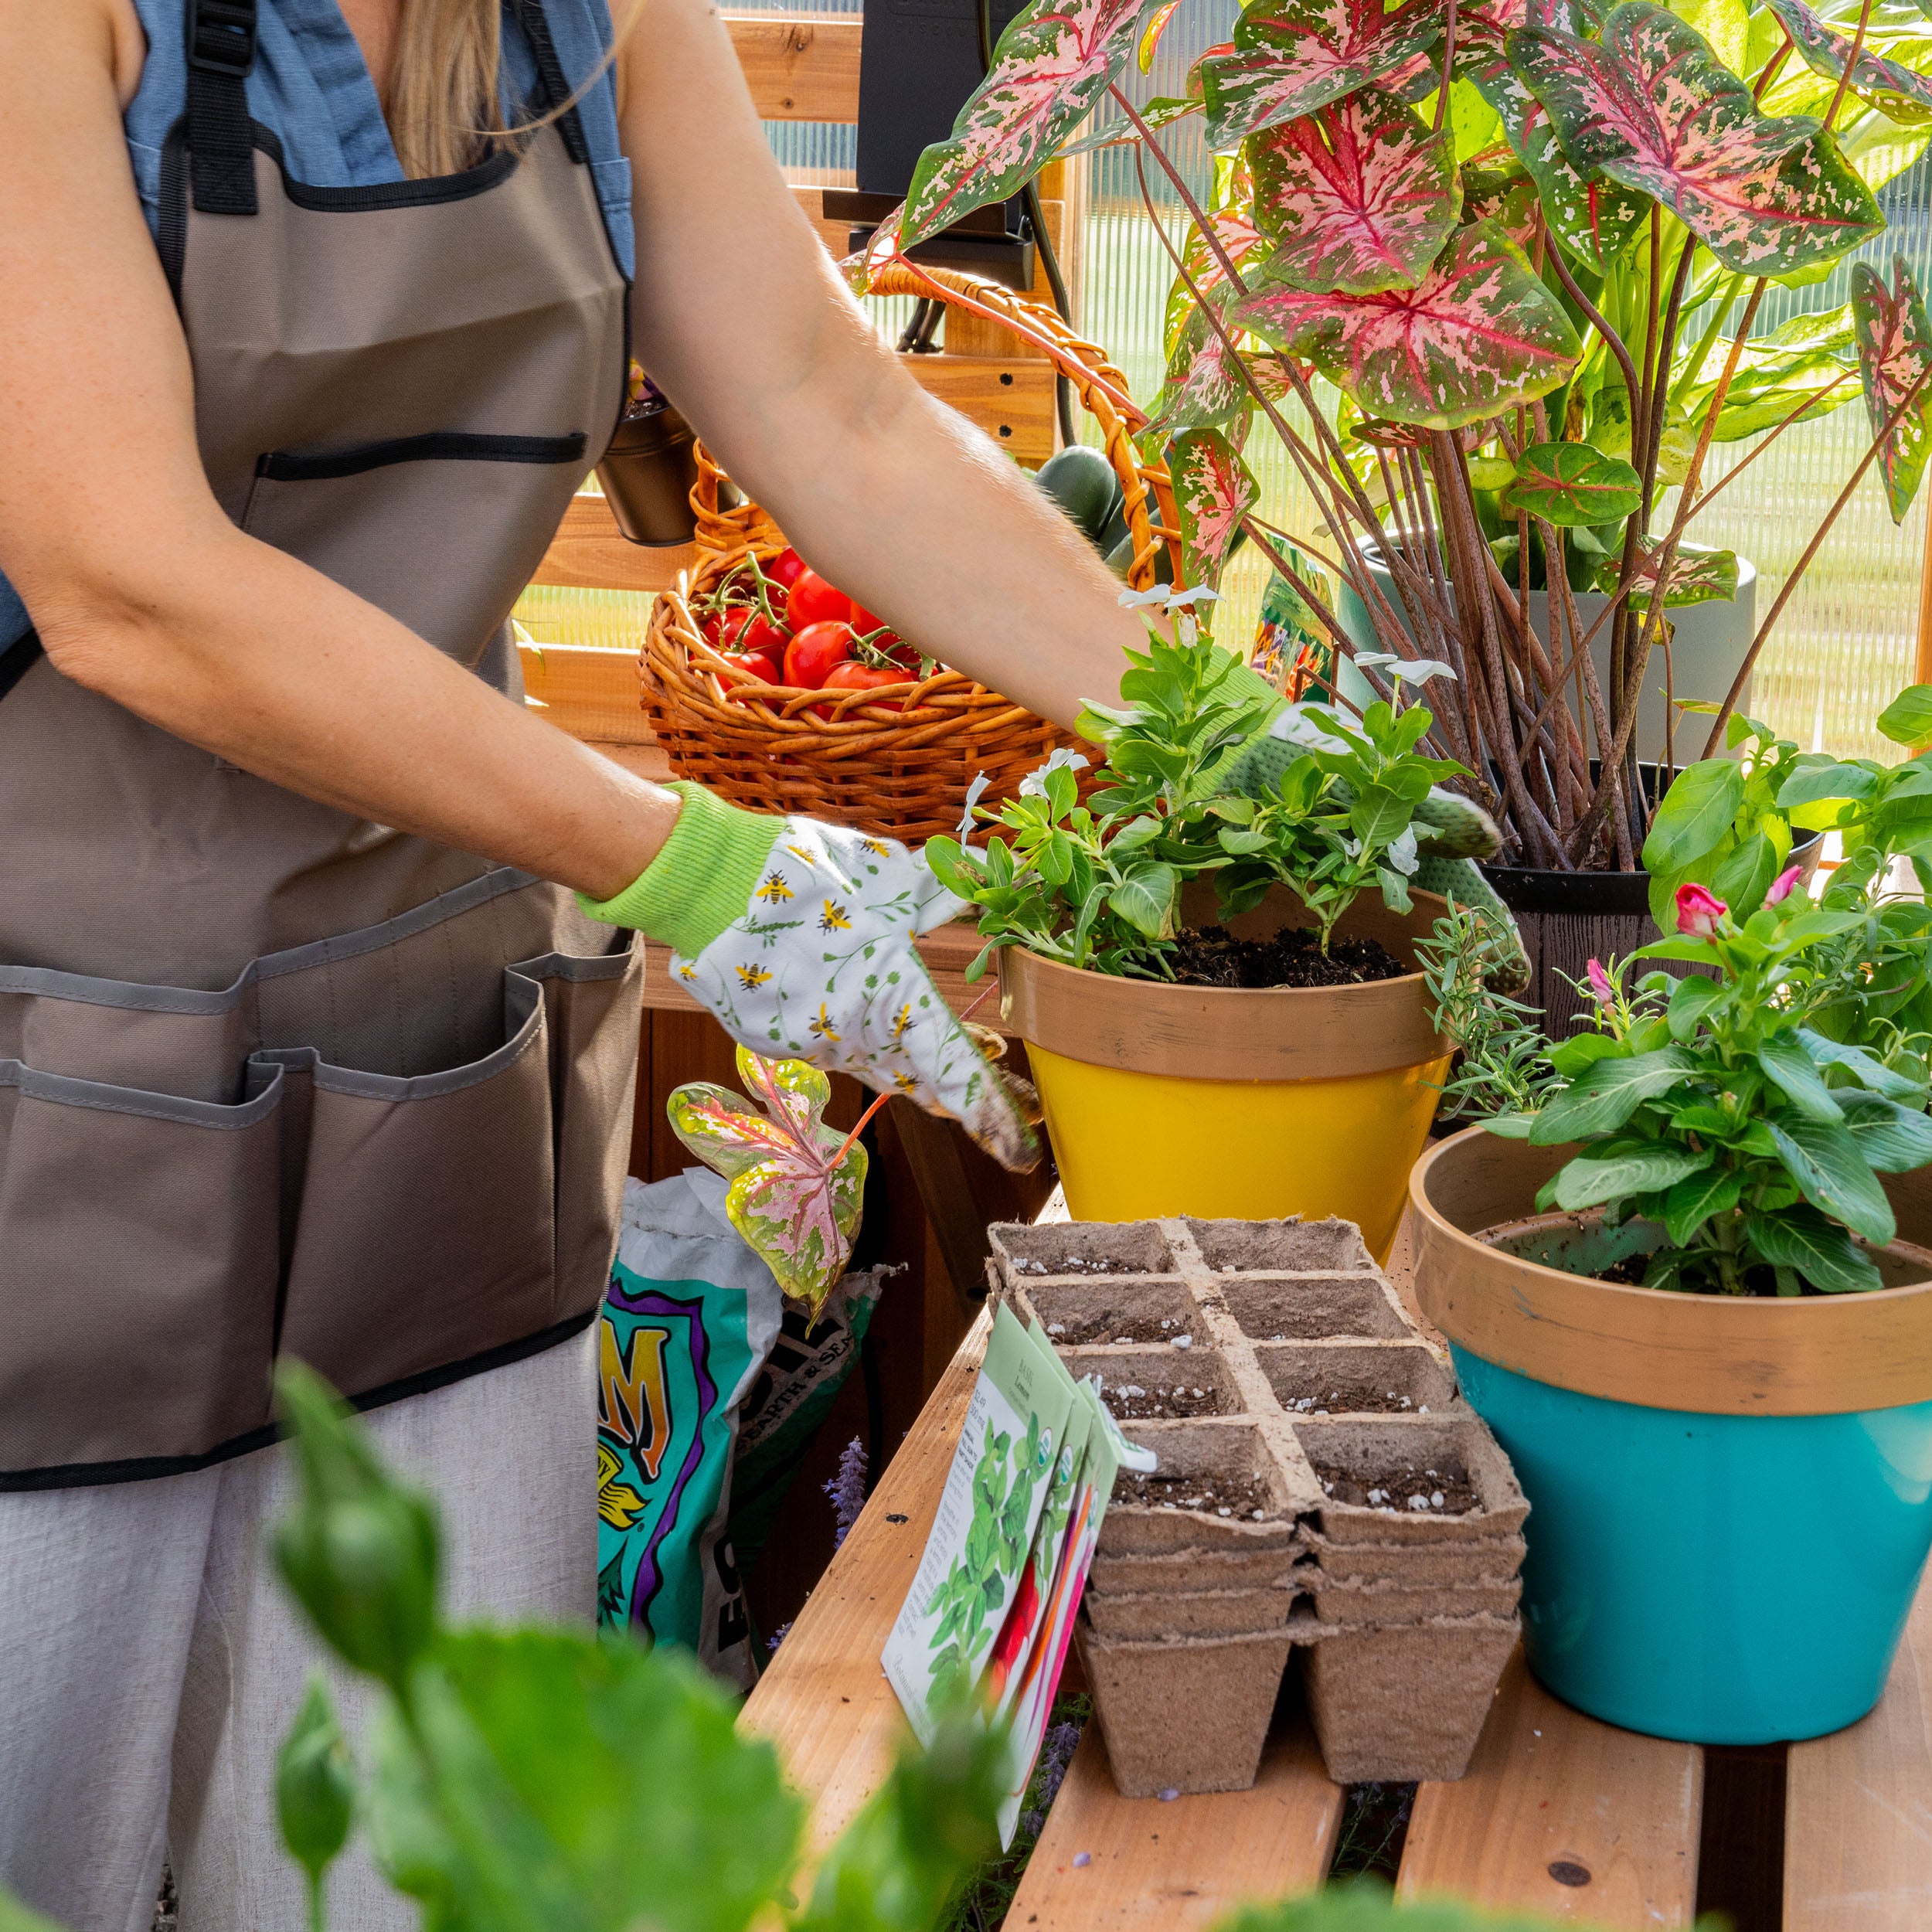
x=690 y=1316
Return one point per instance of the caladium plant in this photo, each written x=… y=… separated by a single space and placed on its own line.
x=1527 y=241
x=798 y=1186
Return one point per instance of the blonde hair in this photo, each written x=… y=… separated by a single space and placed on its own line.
x=444 y=106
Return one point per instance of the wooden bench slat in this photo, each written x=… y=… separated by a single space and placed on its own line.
x=1858 y=1808
x=588 y=553
x=1550 y=1786
x=1155 y=1867
x=825 y=1703
x=802 y=66
x=588 y=691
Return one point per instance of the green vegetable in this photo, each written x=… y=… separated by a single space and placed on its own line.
x=1082 y=482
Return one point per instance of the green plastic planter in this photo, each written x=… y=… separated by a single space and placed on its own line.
x=1730 y=1500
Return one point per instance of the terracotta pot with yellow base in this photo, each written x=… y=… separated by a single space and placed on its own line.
x=1164 y=1100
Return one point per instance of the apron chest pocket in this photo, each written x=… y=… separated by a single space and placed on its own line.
x=371 y=517
x=139 y=1250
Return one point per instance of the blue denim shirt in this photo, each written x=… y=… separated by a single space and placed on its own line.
x=312 y=86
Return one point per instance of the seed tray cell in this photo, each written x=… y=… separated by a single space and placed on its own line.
x=1311 y=1308
x=1154 y=1382
x=1146 y=1310
x=1025 y=1252
x=1335 y=1378
x=1228 y=1462
x=1370 y=1473
x=1291 y=1247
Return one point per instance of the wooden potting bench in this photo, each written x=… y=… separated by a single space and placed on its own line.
x=1559 y=1813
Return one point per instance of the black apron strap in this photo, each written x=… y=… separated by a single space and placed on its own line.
x=17 y=659
x=221 y=140
x=552 y=82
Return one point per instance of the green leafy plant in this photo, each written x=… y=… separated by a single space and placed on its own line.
x=1500 y=1065
x=552 y=1781
x=1712 y=1108
x=1098 y=885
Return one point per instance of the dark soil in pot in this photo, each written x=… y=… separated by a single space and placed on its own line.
x=1212 y=956
x=1217 y=1496
x=1444 y=1490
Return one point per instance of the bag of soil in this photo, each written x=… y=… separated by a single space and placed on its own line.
x=689 y=1319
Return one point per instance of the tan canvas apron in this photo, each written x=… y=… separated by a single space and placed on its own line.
x=273 y=1080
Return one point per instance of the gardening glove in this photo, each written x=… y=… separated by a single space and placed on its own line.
x=1452 y=833
x=797 y=937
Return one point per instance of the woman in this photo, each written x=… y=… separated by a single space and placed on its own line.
x=306 y=1047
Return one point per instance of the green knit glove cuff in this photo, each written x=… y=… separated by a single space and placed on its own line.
x=701 y=880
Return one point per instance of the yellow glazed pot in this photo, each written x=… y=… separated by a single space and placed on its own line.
x=1183 y=1100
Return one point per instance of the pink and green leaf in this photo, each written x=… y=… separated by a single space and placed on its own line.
x=1591 y=216
x=1053 y=63
x=1893 y=88
x=1479 y=334
x=793 y=1197
x=1213 y=490
x=1360 y=195
x=1205 y=387
x=1506 y=196
x=1895 y=353
x=1696 y=577
x=1651 y=107
x=1292 y=56
x=1572 y=485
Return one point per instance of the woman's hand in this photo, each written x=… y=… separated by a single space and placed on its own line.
x=798 y=937
x=740 y=316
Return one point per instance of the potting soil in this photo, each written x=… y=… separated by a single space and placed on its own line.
x=1212 y=956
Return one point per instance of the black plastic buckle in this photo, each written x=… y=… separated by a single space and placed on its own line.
x=223 y=42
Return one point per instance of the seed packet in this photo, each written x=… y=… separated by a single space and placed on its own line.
x=1026 y=1701
x=982 y=1538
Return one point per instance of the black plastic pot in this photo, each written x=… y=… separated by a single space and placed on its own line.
x=1569 y=918
x=647 y=474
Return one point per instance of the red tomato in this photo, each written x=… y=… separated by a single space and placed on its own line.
x=815 y=653
x=784 y=569
x=765 y=636
x=849 y=676
x=813 y=601
x=753 y=664
x=862 y=620
x=722 y=630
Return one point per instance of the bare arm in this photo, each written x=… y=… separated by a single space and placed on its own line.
x=139 y=585
x=741 y=317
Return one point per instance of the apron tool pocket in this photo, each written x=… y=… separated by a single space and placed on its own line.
x=594 y=1006
x=139 y=1253
x=372 y=517
x=423 y=1231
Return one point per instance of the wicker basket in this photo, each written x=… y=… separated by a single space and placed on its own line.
x=898 y=762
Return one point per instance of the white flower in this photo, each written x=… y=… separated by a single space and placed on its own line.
x=975 y=792
x=1034 y=785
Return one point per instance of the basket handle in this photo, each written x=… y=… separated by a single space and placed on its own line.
x=1151 y=518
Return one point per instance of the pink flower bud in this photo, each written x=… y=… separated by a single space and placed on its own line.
x=1698 y=913
x=1781 y=886
x=1600 y=985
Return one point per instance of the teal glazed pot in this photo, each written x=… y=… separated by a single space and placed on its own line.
x=1730 y=1499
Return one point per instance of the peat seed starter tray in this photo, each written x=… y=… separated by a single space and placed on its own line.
x=1322 y=1488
